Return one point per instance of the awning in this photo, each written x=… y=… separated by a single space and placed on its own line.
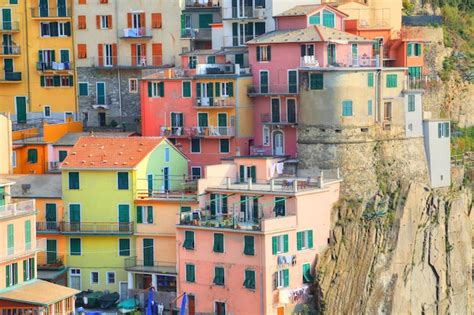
x=37 y=292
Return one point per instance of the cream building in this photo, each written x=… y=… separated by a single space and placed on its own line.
x=5 y=144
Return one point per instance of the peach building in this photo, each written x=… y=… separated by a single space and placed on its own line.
x=255 y=237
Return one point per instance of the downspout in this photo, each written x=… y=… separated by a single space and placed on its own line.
x=27 y=60
x=118 y=67
x=262 y=268
x=76 y=96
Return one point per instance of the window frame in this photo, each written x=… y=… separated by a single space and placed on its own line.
x=118 y=181
x=104 y=22
x=191 y=145
x=92 y=282
x=129 y=247
x=107 y=280
x=133 y=87
x=45 y=114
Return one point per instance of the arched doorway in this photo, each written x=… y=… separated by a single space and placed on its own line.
x=278 y=144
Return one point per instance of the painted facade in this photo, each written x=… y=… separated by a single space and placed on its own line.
x=115 y=40
x=6 y=147
x=437 y=134
x=252 y=239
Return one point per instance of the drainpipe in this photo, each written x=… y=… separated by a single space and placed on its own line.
x=379 y=109
x=118 y=68
x=76 y=96
x=262 y=268
x=27 y=59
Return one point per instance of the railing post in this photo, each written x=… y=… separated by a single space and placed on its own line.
x=338 y=173
x=228 y=182
x=249 y=183
x=295 y=185
x=272 y=184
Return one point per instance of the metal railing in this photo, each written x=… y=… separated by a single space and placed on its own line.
x=267 y=118
x=273 y=89
x=54 y=66
x=138 y=32
x=348 y=61
x=50 y=261
x=97 y=227
x=135 y=264
x=202 y=3
x=22 y=249
x=48 y=227
x=203 y=69
x=197 y=33
x=129 y=61
x=421 y=83
x=10 y=49
x=17 y=208
x=54 y=166
x=214 y=102
x=212 y=131
x=9 y=26
x=51 y=12
x=246 y=12
x=10 y=77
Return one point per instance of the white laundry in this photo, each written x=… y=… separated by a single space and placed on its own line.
x=280 y=167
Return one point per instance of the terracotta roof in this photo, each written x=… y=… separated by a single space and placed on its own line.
x=37 y=292
x=316 y=33
x=110 y=153
x=307 y=9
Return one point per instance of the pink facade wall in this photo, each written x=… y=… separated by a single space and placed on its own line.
x=56 y=150
x=296 y=22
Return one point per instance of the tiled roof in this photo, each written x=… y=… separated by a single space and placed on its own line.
x=306 y=9
x=316 y=33
x=110 y=153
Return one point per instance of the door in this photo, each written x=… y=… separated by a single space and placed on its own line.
x=263 y=82
x=75 y=279
x=21 y=109
x=102 y=119
x=43 y=8
x=281 y=310
x=147 y=252
x=123 y=290
x=291 y=110
x=136 y=21
x=331 y=54
x=6 y=19
x=124 y=218
x=75 y=217
x=149 y=180
x=62 y=8
x=278 y=143
x=275 y=110
x=100 y=88
x=166 y=178
x=191 y=305
x=292 y=81
x=51 y=251
x=7 y=44
x=220 y=308
x=387 y=111
x=108 y=52
x=222 y=123
x=51 y=216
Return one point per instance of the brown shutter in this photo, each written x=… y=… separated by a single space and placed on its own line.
x=143 y=56
x=157 y=54
x=129 y=20
x=101 y=54
x=81 y=22
x=109 y=21
x=97 y=21
x=82 y=2
x=142 y=20
x=81 y=51
x=114 y=54
x=134 y=54
x=156 y=20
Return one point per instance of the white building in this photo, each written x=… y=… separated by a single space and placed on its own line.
x=413 y=114
x=437 y=147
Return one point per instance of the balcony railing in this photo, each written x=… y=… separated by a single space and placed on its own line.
x=207 y=69
x=139 y=32
x=50 y=13
x=10 y=77
x=50 y=261
x=140 y=265
x=197 y=33
x=127 y=61
x=17 y=208
x=48 y=227
x=214 y=102
x=104 y=228
x=54 y=66
x=22 y=249
x=202 y=4
x=348 y=61
x=268 y=119
x=273 y=89
x=212 y=131
x=9 y=26
x=53 y=166
x=175 y=132
x=421 y=83
x=246 y=12
x=10 y=50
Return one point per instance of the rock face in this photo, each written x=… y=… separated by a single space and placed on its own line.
x=406 y=251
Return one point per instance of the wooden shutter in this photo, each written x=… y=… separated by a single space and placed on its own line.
x=285 y=243
x=7 y=271
x=25 y=276
x=242 y=173
x=156 y=20
x=97 y=21
x=142 y=19
x=143 y=50
x=299 y=240
x=157 y=51
x=139 y=214
x=109 y=21
x=100 y=49
x=82 y=1
x=243 y=200
x=310 y=239
x=150 y=89
x=134 y=54
x=129 y=20
x=213 y=205
x=81 y=51
x=253 y=173
x=149 y=214
x=114 y=54
x=81 y=22
x=28 y=234
x=258 y=53
x=286 y=278
x=274 y=245
x=218 y=89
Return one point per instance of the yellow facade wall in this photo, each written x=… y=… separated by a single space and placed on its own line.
x=6 y=149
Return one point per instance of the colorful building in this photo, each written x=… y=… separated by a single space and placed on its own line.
x=20 y=290
x=115 y=41
x=254 y=237
x=6 y=147
x=101 y=180
x=203 y=108
x=197 y=20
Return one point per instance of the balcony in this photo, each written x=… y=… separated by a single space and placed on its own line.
x=344 y=62
x=220 y=69
x=51 y=13
x=214 y=102
x=131 y=33
x=138 y=265
x=421 y=84
x=212 y=132
x=9 y=26
x=197 y=33
x=10 y=77
x=48 y=227
x=10 y=50
x=244 y=13
x=272 y=90
x=21 y=249
x=175 y=132
x=54 y=66
x=26 y=207
x=102 y=102
x=50 y=261
x=267 y=119
x=179 y=188
x=202 y=4
x=98 y=228
x=53 y=166
x=127 y=62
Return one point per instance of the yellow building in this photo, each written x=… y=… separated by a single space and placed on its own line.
x=37 y=76
x=5 y=144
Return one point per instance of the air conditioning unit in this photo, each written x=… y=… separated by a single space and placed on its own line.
x=259 y=13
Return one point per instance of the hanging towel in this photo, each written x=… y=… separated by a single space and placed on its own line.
x=280 y=167
x=272 y=170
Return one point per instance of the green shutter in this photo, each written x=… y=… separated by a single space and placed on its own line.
x=28 y=234
x=274 y=245
x=249 y=245
x=10 y=239
x=205 y=20
x=186 y=89
x=316 y=81
x=71 y=80
x=258 y=53
x=15 y=272
x=218 y=89
x=249 y=282
x=310 y=239
x=242 y=173
x=218 y=243
x=42 y=80
x=286 y=278
x=269 y=53
x=307 y=278
x=150 y=89
x=210 y=89
x=315 y=19
x=391 y=80
x=188 y=240
x=328 y=18
x=32 y=268
x=370 y=80
x=75 y=246
x=299 y=240
x=418 y=49
x=218 y=276
x=242 y=203
x=62 y=155
x=73 y=180
x=253 y=173
x=7 y=271
x=124 y=247
x=230 y=89
x=56 y=80
x=190 y=273
x=139 y=214
x=25 y=276
x=285 y=243
x=122 y=178
x=32 y=156
x=161 y=89
x=213 y=205
x=410 y=49
x=150 y=214
x=224 y=204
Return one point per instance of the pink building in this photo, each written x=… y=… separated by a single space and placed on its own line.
x=251 y=246
x=202 y=108
x=308 y=37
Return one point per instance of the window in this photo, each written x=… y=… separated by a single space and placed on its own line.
x=280 y=244
x=190 y=273
x=316 y=81
x=133 y=85
x=156 y=20
x=307 y=277
x=122 y=180
x=81 y=22
x=28 y=269
x=81 y=51
x=73 y=180
x=195 y=145
x=14 y=159
x=145 y=214
x=264 y=53
x=188 y=240
x=196 y=172
x=27 y=234
x=55 y=29
x=94 y=277
x=62 y=155
x=224 y=146
x=369 y=107
x=218 y=276
x=211 y=60
x=292 y=81
x=315 y=19
x=266 y=135
x=370 y=80
x=249 y=282
x=124 y=247
x=279 y=206
x=56 y=80
x=11 y=274
x=186 y=89
x=443 y=130
x=346 y=108
x=192 y=61
x=32 y=157
x=411 y=103
x=414 y=49
x=75 y=247
x=47 y=111
x=304 y=240
x=249 y=245
x=218 y=243
x=13 y=1
x=167 y=154
x=391 y=80
x=328 y=18
x=104 y=21
x=282 y=278
x=110 y=277
x=156 y=89
x=10 y=239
